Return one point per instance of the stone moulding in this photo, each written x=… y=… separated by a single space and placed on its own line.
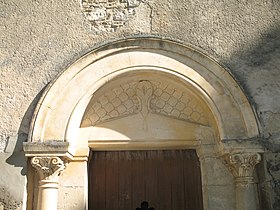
x=56 y=125
x=49 y=148
x=109 y=15
x=67 y=101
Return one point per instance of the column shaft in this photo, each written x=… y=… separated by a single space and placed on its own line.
x=49 y=169
x=242 y=166
x=47 y=199
x=245 y=193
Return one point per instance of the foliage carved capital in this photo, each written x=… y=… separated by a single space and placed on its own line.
x=242 y=165
x=48 y=168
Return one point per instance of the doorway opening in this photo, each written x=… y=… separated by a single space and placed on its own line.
x=162 y=179
x=142 y=94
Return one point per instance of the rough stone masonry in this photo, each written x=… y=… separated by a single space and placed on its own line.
x=39 y=39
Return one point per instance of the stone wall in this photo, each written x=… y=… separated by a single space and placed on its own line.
x=38 y=39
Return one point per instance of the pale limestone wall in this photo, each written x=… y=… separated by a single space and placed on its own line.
x=41 y=38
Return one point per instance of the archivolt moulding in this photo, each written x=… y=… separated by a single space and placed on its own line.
x=59 y=113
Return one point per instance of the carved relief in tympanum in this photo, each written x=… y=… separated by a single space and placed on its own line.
x=144 y=97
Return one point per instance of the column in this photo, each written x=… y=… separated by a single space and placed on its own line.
x=217 y=186
x=242 y=167
x=49 y=169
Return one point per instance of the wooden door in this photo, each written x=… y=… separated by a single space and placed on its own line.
x=167 y=180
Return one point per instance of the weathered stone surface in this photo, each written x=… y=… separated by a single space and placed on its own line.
x=12 y=180
x=109 y=15
x=273 y=170
x=38 y=39
x=7 y=201
x=72 y=191
x=224 y=198
x=42 y=38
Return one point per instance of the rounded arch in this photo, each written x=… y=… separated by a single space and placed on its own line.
x=62 y=106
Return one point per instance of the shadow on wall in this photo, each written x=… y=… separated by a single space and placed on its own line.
x=263 y=51
x=257 y=70
x=259 y=63
x=17 y=158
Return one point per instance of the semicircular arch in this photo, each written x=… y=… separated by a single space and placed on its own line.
x=61 y=109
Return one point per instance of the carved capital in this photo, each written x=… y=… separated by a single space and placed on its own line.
x=242 y=165
x=48 y=168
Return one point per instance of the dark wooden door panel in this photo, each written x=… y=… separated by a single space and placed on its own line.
x=164 y=184
x=177 y=184
x=125 y=185
x=98 y=181
x=168 y=180
x=193 y=186
x=151 y=177
x=112 y=180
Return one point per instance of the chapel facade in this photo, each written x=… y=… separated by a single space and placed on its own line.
x=129 y=104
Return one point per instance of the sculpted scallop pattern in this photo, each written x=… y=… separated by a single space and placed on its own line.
x=170 y=101
x=144 y=97
x=119 y=101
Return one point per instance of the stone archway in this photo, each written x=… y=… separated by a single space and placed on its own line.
x=220 y=124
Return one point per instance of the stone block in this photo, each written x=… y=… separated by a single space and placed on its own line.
x=214 y=172
x=219 y=197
